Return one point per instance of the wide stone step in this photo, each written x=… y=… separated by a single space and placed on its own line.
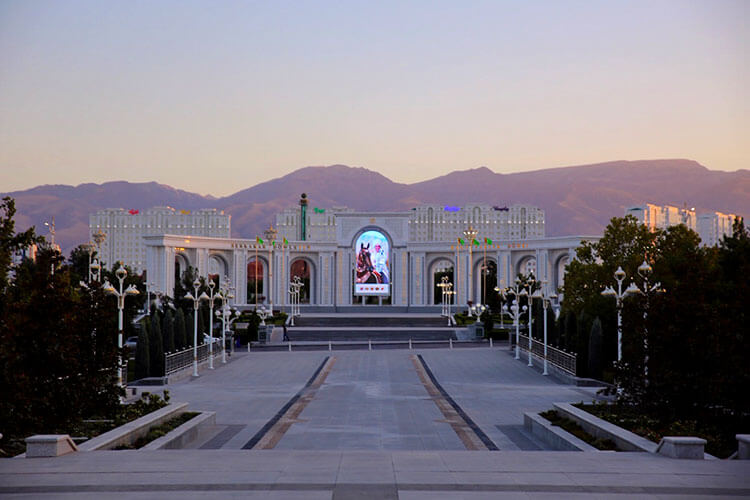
x=334 y=321
x=350 y=334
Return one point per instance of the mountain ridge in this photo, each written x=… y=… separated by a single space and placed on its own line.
x=578 y=199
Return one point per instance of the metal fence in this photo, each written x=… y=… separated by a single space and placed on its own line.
x=566 y=361
x=176 y=361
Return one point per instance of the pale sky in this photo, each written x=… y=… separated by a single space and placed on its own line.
x=216 y=96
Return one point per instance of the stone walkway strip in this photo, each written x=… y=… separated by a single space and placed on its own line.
x=272 y=432
x=469 y=432
x=351 y=487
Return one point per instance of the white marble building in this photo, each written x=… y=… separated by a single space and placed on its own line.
x=124 y=230
x=418 y=243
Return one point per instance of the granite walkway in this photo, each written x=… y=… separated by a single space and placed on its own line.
x=371 y=424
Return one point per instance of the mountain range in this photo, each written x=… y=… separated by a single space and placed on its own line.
x=578 y=200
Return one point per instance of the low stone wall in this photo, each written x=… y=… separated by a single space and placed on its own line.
x=179 y=437
x=128 y=433
x=623 y=439
x=553 y=436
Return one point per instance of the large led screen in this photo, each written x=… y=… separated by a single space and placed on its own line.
x=373 y=275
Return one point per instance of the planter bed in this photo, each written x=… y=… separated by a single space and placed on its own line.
x=624 y=440
x=128 y=433
x=575 y=429
x=720 y=436
x=157 y=431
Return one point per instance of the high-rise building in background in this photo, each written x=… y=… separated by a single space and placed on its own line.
x=710 y=226
x=124 y=230
x=713 y=226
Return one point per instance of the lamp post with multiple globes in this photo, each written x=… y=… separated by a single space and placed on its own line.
x=196 y=303
x=131 y=290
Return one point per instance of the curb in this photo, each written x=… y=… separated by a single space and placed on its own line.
x=555 y=437
x=128 y=433
x=177 y=438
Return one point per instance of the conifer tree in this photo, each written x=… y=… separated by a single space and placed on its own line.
x=167 y=331
x=156 y=347
x=142 y=353
x=179 y=330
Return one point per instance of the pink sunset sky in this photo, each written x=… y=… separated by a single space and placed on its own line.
x=216 y=96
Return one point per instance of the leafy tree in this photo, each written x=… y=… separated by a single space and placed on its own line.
x=570 y=329
x=583 y=329
x=595 y=350
x=10 y=241
x=156 y=347
x=58 y=353
x=686 y=341
x=142 y=353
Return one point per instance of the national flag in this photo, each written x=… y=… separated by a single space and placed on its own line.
x=133 y=211
x=488 y=241
x=475 y=242
x=185 y=212
x=258 y=240
x=285 y=241
x=461 y=242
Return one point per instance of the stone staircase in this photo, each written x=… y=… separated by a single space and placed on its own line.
x=375 y=327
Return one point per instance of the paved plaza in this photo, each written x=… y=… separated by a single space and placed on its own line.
x=374 y=400
x=409 y=424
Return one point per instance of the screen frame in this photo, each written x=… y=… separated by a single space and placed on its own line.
x=372 y=289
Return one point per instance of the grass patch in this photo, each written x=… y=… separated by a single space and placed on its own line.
x=158 y=431
x=575 y=429
x=718 y=431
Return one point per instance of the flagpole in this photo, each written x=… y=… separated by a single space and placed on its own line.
x=457 y=269
x=256 y=275
x=484 y=274
x=283 y=278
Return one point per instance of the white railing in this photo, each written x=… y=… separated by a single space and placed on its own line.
x=180 y=360
x=566 y=361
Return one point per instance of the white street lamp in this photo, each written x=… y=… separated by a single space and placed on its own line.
x=263 y=313
x=451 y=294
x=211 y=299
x=619 y=295
x=546 y=297
x=515 y=313
x=644 y=270
x=294 y=293
x=121 y=274
x=196 y=303
x=228 y=316
x=149 y=284
x=470 y=234
x=517 y=291
x=95 y=271
x=443 y=285
x=224 y=311
x=530 y=284
x=478 y=309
